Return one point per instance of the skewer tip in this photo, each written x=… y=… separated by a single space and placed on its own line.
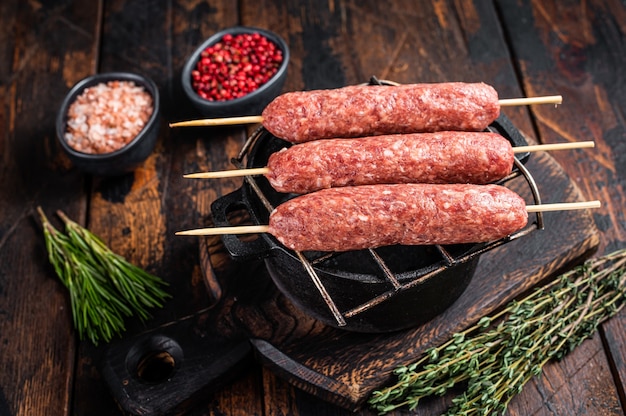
x=245 y=229
x=227 y=173
x=548 y=99
x=554 y=146
x=564 y=206
x=228 y=121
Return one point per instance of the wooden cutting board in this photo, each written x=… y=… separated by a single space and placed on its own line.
x=251 y=318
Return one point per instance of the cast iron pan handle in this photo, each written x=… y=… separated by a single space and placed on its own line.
x=237 y=248
x=301 y=376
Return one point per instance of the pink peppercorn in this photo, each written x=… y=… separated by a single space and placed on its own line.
x=235 y=66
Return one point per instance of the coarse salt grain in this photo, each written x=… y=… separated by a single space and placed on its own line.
x=107 y=116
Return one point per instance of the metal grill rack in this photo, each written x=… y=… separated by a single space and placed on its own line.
x=448 y=259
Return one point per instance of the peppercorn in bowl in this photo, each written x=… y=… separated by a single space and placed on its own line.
x=108 y=123
x=236 y=72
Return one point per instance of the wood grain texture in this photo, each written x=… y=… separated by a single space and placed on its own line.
x=46 y=48
x=578 y=49
x=521 y=47
x=616 y=344
x=593 y=393
x=138 y=214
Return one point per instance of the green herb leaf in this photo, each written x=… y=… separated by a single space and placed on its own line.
x=104 y=288
x=498 y=355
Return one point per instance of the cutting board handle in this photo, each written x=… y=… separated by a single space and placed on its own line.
x=304 y=377
x=167 y=370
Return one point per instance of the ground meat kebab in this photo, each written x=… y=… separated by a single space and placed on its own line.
x=366 y=110
x=369 y=216
x=442 y=157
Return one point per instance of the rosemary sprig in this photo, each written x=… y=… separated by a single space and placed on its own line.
x=104 y=288
x=495 y=358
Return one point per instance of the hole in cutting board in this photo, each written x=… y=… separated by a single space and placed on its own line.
x=154 y=360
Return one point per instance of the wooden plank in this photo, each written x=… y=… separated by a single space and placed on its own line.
x=554 y=392
x=137 y=214
x=574 y=48
x=46 y=48
x=616 y=344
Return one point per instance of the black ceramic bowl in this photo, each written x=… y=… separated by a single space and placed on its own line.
x=132 y=154
x=250 y=104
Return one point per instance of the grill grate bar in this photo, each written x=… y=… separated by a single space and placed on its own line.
x=386 y=270
x=322 y=289
x=449 y=258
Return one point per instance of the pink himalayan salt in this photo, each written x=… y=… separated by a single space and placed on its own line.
x=106 y=117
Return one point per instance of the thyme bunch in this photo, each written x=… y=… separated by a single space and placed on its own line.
x=494 y=358
x=104 y=288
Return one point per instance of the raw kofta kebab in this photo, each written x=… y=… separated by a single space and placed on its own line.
x=370 y=216
x=366 y=110
x=442 y=157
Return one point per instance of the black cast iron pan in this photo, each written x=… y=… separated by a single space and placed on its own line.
x=430 y=281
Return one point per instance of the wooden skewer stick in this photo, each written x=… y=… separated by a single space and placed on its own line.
x=262 y=171
x=229 y=121
x=553 y=146
x=548 y=99
x=253 y=229
x=244 y=229
x=228 y=173
x=563 y=206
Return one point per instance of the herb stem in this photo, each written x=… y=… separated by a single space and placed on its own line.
x=499 y=354
x=103 y=287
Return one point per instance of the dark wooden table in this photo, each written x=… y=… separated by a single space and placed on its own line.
x=523 y=48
